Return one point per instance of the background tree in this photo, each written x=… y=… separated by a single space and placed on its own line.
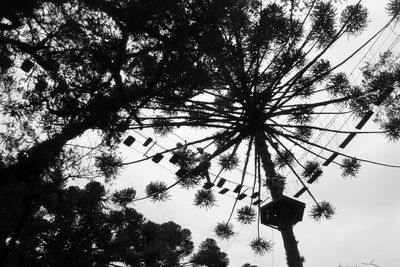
x=67 y=68
x=210 y=255
x=75 y=225
x=90 y=74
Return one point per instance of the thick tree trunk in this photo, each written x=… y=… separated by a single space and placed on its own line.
x=289 y=241
x=41 y=156
x=285 y=226
x=29 y=169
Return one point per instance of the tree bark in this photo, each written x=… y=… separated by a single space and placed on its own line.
x=42 y=155
x=284 y=226
x=39 y=158
x=293 y=257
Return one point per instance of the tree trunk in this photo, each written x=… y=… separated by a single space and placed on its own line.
x=39 y=158
x=293 y=257
x=284 y=226
x=29 y=168
x=42 y=155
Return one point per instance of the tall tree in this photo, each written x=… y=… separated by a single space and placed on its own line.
x=99 y=64
x=69 y=67
x=91 y=66
x=209 y=255
x=76 y=226
x=270 y=81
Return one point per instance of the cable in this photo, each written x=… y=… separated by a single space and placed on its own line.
x=340 y=109
x=213 y=174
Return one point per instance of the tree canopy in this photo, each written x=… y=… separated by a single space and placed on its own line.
x=68 y=68
x=270 y=81
x=77 y=226
x=210 y=255
x=252 y=73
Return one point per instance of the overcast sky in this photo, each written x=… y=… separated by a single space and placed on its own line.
x=366 y=226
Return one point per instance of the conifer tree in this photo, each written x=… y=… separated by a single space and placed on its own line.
x=253 y=73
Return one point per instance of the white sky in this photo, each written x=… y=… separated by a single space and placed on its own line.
x=366 y=226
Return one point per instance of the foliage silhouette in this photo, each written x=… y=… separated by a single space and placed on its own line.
x=73 y=225
x=107 y=67
x=210 y=255
x=87 y=66
x=269 y=81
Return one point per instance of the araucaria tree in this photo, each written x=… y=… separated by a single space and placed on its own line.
x=268 y=81
x=252 y=72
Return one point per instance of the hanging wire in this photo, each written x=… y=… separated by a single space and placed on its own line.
x=171 y=171
x=243 y=175
x=340 y=108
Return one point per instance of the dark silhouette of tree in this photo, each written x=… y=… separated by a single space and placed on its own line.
x=269 y=82
x=253 y=73
x=68 y=68
x=209 y=255
x=87 y=74
x=75 y=226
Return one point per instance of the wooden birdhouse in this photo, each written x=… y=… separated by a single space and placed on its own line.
x=284 y=208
